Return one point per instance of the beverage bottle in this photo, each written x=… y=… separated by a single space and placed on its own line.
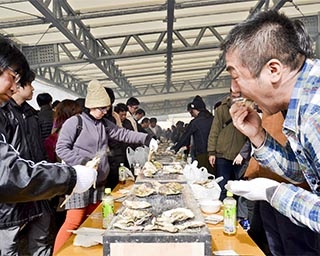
x=189 y=159
x=107 y=207
x=137 y=170
x=122 y=174
x=229 y=214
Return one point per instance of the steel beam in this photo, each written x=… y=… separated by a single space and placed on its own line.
x=81 y=37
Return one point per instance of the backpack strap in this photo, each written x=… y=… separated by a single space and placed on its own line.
x=78 y=129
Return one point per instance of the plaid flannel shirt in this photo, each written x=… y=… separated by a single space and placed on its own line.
x=300 y=159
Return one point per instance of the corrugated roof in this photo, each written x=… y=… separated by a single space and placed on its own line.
x=162 y=52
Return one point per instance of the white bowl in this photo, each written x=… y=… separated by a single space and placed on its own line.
x=210 y=206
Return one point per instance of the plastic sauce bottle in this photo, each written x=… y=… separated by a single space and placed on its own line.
x=229 y=214
x=107 y=208
x=122 y=174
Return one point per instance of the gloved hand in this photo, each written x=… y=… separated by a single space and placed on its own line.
x=238 y=160
x=86 y=177
x=255 y=189
x=153 y=146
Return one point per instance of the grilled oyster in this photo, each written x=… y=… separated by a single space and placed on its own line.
x=172 y=169
x=143 y=190
x=124 y=224
x=129 y=218
x=163 y=226
x=136 y=204
x=174 y=215
x=149 y=169
x=190 y=224
x=157 y=164
x=171 y=188
x=135 y=214
x=244 y=101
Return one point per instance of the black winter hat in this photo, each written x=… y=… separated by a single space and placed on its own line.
x=198 y=103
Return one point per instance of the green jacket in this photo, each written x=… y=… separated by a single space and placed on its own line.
x=224 y=141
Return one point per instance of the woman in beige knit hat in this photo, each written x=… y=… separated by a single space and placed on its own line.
x=92 y=141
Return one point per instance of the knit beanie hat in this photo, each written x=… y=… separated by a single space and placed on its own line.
x=198 y=103
x=96 y=95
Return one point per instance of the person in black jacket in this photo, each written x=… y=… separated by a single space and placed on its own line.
x=22 y=182
x=199 y=129
x=44 y=101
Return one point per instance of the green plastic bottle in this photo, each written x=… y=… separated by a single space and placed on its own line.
x=107 y=208
x=229 y=214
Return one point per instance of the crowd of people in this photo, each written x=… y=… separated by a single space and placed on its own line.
x=266 y=151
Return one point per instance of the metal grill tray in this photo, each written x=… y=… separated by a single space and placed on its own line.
x=161 y=203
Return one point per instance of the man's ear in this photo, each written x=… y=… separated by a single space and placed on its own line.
x=275 y=69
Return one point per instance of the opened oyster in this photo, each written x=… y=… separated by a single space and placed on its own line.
x=163 y=226
x=172 y=169
x=125 y=225
x=136 y=204
x=143 y=190
x=157 y=164
x=244 y=101
x=149 y=169
x=171 y=188
x=174 y=215
x=135 y=214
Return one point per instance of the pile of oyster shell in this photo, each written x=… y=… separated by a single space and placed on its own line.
x=173 y=220
x=138 y=215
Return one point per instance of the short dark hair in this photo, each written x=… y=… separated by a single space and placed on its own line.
x=145 y=120
x=55 y=103
x=44 y=99
x=266 y=35
x=132 y=101
x=11 y=56
x=153 y=120
x=141 y=112
x=120 y=107
x=28 y=77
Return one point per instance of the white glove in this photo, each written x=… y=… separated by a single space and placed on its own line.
x=238 y=160
x=153 y=146
x=255 y=189
x=86 y=177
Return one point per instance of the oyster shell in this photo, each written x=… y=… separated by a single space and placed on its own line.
x=135 y=214
x=190 y=224
x=157 y=164
x=129 y=219
x=149 y=169
x=172 y=169
x=124 y=224
x=136 y=204
x=244 y=101
x=143 y=190
x=174 y=215
x=171 y=188
x=163 y=226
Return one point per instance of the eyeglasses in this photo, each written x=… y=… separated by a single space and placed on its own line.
x=104 y=110
x=16 y=76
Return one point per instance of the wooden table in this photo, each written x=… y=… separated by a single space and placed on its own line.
x=241 y=243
